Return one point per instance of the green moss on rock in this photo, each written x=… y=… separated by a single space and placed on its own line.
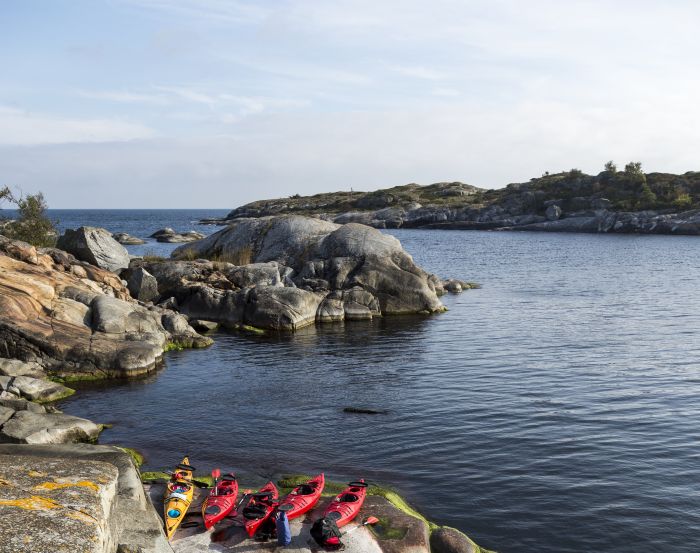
x=136 y=457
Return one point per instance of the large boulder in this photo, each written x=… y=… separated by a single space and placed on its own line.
x=290 y=265
x=96 y=246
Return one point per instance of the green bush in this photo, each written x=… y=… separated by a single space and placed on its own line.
x=32 y=225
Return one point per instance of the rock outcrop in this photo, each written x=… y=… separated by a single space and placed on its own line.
x=451 y=540
x=96 y=246
x=142 y=285
x=29 y=427
x=169 y=236
x=76 y=319
x=287 y=272
x=610 y=202
x=34 y=389
x=81 y=498
x=127 y=240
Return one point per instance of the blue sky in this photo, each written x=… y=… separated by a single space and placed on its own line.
x=214 y=103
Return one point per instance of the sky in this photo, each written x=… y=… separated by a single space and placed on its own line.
x=215 y=103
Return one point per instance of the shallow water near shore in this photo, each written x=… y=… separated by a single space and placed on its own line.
x=554 y=410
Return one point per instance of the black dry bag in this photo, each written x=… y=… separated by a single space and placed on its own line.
x=324 y=531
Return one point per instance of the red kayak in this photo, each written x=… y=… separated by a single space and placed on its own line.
x=221 y=500
x=347 y=503
x=303 y=498
x=260 y=508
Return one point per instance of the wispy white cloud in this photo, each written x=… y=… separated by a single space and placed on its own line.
x=27 y=129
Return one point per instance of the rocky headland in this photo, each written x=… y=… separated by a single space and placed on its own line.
x=628 y=201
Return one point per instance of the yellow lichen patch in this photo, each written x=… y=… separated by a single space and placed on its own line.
x=4 y=482
x=48 y=486
x=33 y=503
x=36 y=474
x=82 y=517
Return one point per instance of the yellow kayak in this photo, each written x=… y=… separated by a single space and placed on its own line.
x=178 y=496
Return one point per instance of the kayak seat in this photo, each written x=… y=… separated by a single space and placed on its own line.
x=305 y=489
x=348 y=498
x=254 y=512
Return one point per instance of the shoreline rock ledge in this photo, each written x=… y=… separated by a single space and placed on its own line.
x=288 y=272
x=76 y=320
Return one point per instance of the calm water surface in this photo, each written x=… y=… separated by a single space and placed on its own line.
x=555 y=410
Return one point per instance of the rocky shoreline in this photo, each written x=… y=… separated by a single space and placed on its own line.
x=90 y=498
x=89 y=311
x=628 y=202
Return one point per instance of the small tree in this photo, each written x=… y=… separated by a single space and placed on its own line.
x=610 y=167
x=634 y=168
x=647 y=198
x=32 y=225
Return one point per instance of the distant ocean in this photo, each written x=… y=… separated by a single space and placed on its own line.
x=139 y=222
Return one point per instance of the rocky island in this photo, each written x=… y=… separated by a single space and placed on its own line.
x=87 y=310
x=626 y=201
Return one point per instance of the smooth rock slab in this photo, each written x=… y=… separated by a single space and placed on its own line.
x=49 y=505
x=35 y=389
x=134 y=524
x=47 y=428
x=15 y=367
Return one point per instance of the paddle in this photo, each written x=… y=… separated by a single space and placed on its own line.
x=370 y=520
x=215 y=473
x=234 y=512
